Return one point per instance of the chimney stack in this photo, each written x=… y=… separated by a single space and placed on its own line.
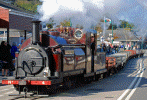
x=36 y=32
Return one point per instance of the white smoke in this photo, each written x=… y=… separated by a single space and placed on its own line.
x=82 y=12
x=89 y=12
x=52 y=7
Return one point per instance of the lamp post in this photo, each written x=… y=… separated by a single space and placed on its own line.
x=112 y=32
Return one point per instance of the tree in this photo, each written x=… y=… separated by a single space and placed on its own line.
x=29 y=5
x=114 y=26
x=126 y=24
x=98 y=28
x=51 y=23
x=65 y=23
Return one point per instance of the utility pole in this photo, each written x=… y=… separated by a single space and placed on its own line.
x=104 y=28
x=8 y=33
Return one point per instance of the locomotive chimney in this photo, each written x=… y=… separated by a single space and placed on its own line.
x=36 y=32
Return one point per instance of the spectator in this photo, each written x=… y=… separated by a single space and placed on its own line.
x=109 y=49
x=122 y=46
x=137 y=50
x=104 y=47
x=92 y=49
x=13 y=50
x=5 y=57
x=100 y=47
x=115 y=48
x=134 y=48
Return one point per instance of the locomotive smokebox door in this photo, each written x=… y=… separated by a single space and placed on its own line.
x=32 y=62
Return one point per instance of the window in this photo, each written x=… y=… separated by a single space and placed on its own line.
x=78 y=34
x=5 y=32
x=1 y=32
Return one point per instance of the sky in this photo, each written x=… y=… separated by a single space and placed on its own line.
x=89 y=12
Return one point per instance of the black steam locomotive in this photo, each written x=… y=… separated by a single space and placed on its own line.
x=41 y=68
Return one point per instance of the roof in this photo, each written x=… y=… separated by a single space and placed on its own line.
x=121 y=35
x=10 y=6
x=16 y=10
x=58 y=39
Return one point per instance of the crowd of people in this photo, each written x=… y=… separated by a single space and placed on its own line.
x=110 y=49
x=7 y=56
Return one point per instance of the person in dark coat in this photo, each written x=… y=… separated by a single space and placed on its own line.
x=92 y=49
x=115 y=48
x=109 y=48
x=104 y=47
x=5 y=57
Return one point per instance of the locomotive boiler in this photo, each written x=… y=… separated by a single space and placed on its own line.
x=46 y=62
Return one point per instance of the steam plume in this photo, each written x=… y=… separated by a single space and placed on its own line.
x=88 y=12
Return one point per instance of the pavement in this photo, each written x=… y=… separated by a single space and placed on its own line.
x=1 y=77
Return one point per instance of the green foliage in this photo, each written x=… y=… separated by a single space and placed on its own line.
x=125 y=24
x=114 y=26
x=50 y=23
x=65 y=23
x=29 y=5
x=98 y=28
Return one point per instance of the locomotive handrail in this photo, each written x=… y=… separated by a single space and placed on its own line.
x=73 y=45
x=67 y=45
x=56 y=47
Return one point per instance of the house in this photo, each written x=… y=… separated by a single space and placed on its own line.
x=15 y=35
x=122 y=36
